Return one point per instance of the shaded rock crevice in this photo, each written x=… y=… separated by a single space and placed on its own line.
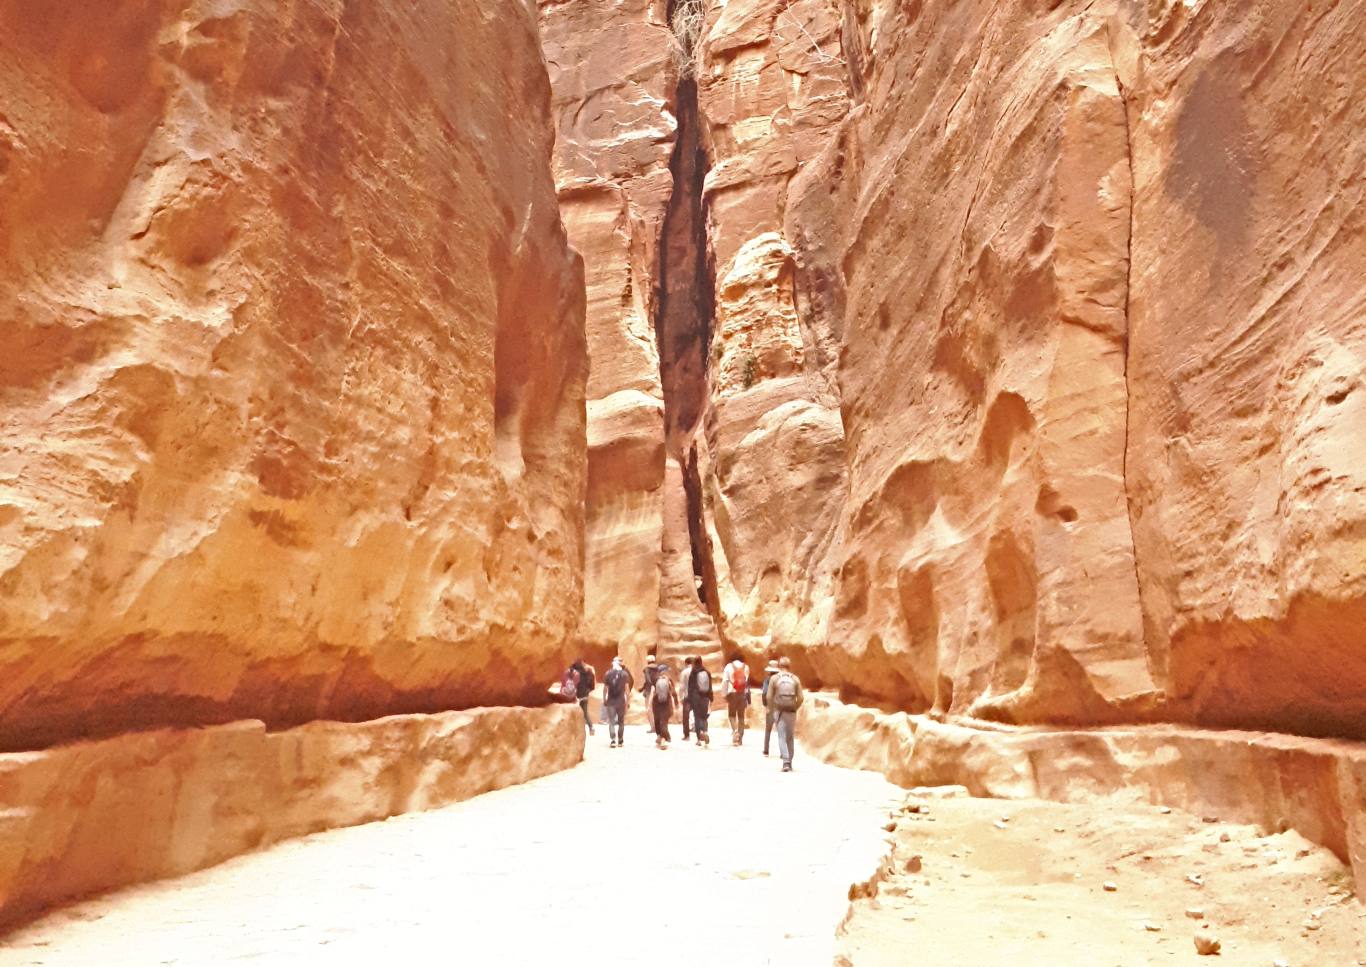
x=685 y=315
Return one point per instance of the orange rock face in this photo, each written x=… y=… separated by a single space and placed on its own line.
x=1033 y=355
x=1103 y=458
x=292 y=365
x=988 y=564
x=609 y=67
x=1247 y=362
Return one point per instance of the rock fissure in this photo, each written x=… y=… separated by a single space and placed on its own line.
x=1157 y=669
x=685 y=315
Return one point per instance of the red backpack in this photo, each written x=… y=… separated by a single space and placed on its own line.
x=739 y=677
x=569 y=685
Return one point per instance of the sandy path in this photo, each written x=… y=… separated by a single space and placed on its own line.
x=678 y=857
x=1023 y=883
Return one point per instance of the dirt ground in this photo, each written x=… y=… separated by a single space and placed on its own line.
x=674 y=858
x=1036 y=883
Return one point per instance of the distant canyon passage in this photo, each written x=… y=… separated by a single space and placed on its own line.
x=1026 y=378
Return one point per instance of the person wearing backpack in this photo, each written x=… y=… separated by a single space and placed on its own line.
x=735 y=686
x=685 y=696
x=584 y=682
x=785 y=697
x=647 y=676
x=663 y=699
x=699 y=699
x=769 y=672
x=616 y=692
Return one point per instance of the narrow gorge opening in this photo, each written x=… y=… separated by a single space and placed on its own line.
x=686 y=306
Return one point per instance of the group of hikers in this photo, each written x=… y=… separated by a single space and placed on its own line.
x=691 y=698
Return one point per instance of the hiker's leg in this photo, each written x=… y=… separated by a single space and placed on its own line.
x=786 y=724
x=768 y=728
x=615 y=714
x=587 y=720
x=740 y=708
x=686 y=723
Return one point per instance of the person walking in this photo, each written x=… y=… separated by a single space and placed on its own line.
x=583 y=689
x=735 y=686
x=685 y=696
x=699 y=698
x=647 y=676
x=785 y=696
x=616 y=692
x=663 y=699
x=769 y=671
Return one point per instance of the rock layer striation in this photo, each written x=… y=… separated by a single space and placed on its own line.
x=293 y=365
x=1035 y=353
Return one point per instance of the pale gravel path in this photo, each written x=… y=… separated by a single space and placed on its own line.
x=686 y=856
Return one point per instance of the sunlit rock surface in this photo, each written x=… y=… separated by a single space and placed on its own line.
x=611 y=69
x=291 y=365
x=1085 y=283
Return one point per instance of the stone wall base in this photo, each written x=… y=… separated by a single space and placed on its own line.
x=93 y=816
x=1315 y=786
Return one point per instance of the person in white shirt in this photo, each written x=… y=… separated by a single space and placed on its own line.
x=735 y=686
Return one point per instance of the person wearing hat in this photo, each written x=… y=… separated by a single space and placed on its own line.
x=770 y=670
x=616 y=692
x=785 y=698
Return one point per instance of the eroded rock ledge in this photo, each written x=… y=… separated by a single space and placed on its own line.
x=1316 y=786
x=94 y=816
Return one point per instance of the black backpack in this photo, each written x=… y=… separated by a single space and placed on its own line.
x=616 y=683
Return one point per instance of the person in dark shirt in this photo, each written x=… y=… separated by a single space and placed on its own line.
x=647 y=677
x=584 y=689
x=685 y=696
x=699 y=700
x=662 y=702
x=616 y=693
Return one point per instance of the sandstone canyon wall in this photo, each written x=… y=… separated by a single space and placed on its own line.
x=1104 y=324
x=291 y=366
x=1033 y=353
x=608 y=66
